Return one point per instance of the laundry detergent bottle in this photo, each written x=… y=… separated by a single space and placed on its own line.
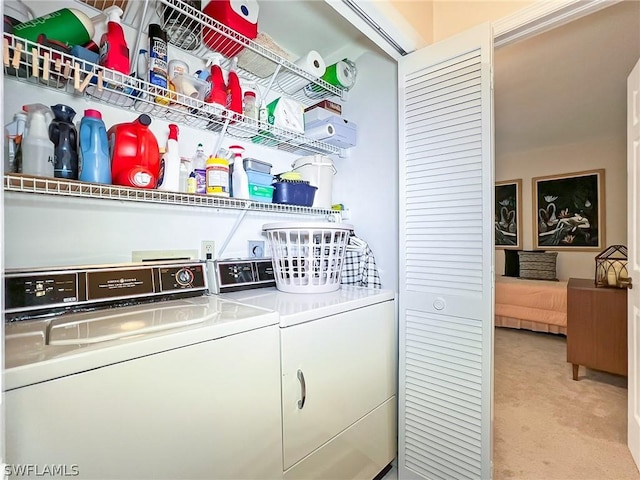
x=37 y=148
x=94 y=164
x=135 y=155
x=64 y=136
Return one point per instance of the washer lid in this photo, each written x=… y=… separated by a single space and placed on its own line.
x=46 y=349
x=105 y=325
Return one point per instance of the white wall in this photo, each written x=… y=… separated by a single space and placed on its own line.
x=560 y=107
x=608 y=153
x=49 y=231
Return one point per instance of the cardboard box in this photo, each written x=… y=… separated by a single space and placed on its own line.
x=345 y=131
x=327 y=105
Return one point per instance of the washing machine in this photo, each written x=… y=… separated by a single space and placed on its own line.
x=134 y=371
x=339 y=371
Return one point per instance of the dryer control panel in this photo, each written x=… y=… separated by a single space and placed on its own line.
x=231 y=275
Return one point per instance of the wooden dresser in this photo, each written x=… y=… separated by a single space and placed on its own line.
x=596 y=327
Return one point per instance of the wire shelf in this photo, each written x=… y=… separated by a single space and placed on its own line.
x=50 y=68
x=197 y=34
x=72 y=188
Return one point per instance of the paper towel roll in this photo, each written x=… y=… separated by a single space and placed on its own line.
x=320 y=132
x=312 y=63
x=341 y=74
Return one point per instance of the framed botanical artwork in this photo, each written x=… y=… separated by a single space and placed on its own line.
x=569 y=211
x=508 y=214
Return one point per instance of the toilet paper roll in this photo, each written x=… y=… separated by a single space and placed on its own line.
x=312 y=63
x=321 y=132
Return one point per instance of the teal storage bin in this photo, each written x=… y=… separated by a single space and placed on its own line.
x=260 y=193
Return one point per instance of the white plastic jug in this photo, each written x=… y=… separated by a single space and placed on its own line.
x=318 y=170
x=37 y=148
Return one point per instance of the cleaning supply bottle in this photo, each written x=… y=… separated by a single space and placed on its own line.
x=12 y=138
x=240 y=180
x=218 y=92
x=185 y=170
x=234 y=91
x=95 y=164
x=249 y=106
x=67 y=25
x=192 y=183
x=37 y=149
x=199 y=164
x=63 y=134
x=217 y=176
x=135 y=156
x=114 y=53
x=158 y=63
x=169 y=177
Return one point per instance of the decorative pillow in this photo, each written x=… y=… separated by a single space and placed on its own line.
x=538 y=265
x=511 y=263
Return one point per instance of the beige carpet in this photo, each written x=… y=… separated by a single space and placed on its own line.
x=549 y=427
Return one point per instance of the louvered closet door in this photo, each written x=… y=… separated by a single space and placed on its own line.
x=446 y=259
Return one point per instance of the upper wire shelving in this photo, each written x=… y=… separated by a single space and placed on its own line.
x=73 y=188
x=50 y=68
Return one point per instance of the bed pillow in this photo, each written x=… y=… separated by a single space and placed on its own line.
x=511 y=263
x=538 y=265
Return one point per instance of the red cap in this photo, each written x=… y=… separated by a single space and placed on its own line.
x=173 y=131
x=92 y=113
x=249 y=93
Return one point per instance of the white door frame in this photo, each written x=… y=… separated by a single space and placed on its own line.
x=542 y=16
x=379 y=20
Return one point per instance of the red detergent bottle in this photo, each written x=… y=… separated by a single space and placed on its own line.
x=135 y=156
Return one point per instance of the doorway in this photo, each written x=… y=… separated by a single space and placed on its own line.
x=560 y=107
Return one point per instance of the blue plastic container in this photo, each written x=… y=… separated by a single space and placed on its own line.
x=95 y=163
x=259 y=178
x=292 y=193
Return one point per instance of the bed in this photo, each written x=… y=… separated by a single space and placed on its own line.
x=536 y=305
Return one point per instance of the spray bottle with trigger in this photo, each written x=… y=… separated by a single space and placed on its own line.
x=218 y=92
x=234 y=91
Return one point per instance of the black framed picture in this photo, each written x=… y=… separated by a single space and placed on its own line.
x=508 y=214
x=568 y=211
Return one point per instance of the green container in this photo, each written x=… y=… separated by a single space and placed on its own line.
x=260 y=193
x=66 y=25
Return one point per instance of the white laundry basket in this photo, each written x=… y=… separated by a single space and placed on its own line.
x=307 y=257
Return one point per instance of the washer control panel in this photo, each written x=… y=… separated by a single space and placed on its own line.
x=40 y=289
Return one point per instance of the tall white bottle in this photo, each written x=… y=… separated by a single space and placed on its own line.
x=239 y=179
x=170 y=163
x=37 y=148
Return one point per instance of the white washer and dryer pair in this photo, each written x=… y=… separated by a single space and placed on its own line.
x=102 y=382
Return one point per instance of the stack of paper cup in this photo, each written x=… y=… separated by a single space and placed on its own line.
x=312 y=63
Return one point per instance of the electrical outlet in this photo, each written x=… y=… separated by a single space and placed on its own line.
x=208 y=249
x=256 y=248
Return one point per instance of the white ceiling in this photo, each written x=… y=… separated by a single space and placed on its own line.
x=567 y=84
